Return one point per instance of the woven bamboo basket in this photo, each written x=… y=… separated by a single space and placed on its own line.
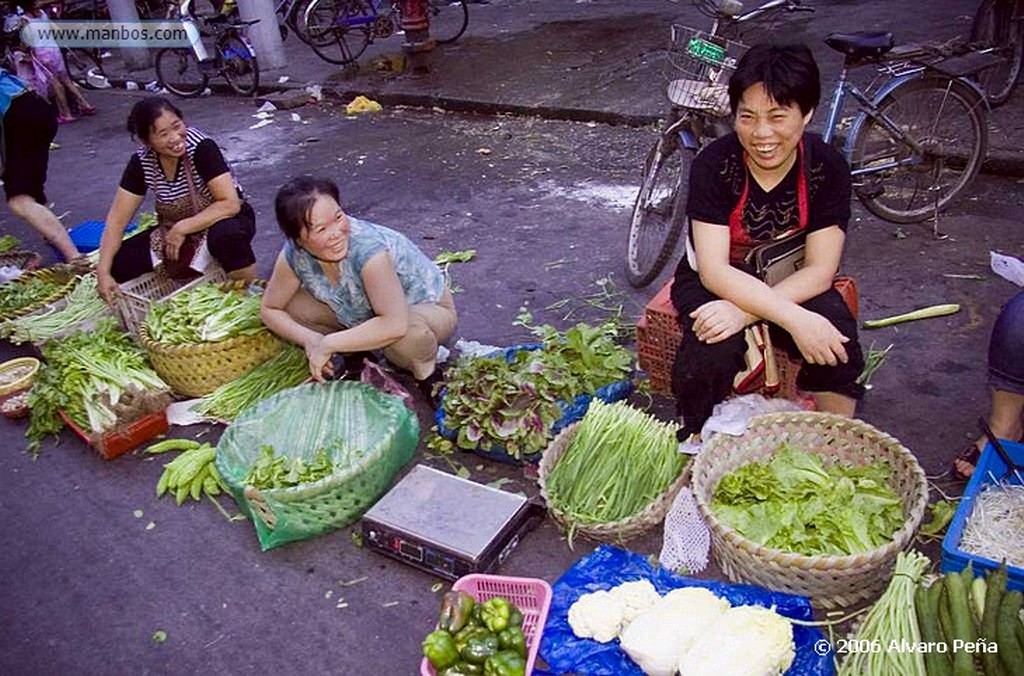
x=615 y=531
x=830 y=581
x=63 y=276
x=196 y=370
x=137 y=295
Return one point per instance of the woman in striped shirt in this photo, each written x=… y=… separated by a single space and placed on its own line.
x=201 y=215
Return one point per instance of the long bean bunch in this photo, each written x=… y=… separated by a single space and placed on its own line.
x=891 y=619
x=619 y=461
x=205 y=314
x=287 y=368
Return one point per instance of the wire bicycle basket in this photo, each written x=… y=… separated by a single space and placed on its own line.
x=699 y=65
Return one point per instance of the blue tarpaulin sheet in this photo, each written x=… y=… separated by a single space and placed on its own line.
x=608 y=567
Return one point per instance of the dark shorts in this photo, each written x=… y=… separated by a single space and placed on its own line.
x=1006 y=348
x=30 y=125
x=229 y=241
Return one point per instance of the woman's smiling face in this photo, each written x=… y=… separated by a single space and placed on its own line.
x=326 y=232
x=769 y=131
x=167 y=135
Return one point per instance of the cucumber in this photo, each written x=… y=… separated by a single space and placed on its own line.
x=962 y=623
x=926 y=604
x=994 y=592
x=1010 y=652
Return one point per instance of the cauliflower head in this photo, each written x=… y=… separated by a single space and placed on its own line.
x=636 y=596
x=597 y=615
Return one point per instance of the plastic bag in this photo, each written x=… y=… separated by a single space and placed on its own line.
x=686 y=541
x=371 y=435
x=607 y=567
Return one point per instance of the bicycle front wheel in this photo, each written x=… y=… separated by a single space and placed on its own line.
x=337 y=30
x=994 y=27
x=81 y=63
x=659 y=211
x=448 y=19
x=946 y=119
x=241 y=69
x=177 y=70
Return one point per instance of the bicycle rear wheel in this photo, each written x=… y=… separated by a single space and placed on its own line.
x=178 y=71
x=994 y=27
x=241 y=69
x=330 y=31
x=81 y=63
x=947 y=118
x=658 y=213
x=448 y=19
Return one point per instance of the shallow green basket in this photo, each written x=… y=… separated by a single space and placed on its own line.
x=377 y=430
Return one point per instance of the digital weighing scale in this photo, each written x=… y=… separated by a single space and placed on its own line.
x=447 y=525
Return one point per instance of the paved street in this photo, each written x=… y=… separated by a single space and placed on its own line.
x=85 y=583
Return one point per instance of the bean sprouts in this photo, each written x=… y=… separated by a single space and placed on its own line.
x=996 y=522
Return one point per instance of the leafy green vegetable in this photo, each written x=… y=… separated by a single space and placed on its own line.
x=21 y=293
x=494 y=403
x=207 y=313
x=287 y=368
x=276 y=471
x=9 y=243
x=794 y=502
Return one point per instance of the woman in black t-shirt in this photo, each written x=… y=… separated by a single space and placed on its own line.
x=766 y=180
x=201 y=216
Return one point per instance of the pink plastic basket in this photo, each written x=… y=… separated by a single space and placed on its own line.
x=531 y=595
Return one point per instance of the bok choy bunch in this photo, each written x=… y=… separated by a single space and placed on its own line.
x=92 y=375
x=205 y=314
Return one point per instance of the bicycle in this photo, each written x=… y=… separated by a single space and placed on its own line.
x=999 y=28
x=186 y=71
x=347 y=27
x=917 y=140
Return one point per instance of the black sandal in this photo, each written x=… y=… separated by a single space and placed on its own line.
x=969 y=454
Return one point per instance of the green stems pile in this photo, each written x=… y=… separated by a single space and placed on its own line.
x=82 y=303
x=287 y=368
x=619 y=461
x=205 y=314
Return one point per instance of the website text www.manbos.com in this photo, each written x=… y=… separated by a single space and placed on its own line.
x=110 y=34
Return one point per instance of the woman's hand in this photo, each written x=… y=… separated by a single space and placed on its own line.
x=173 y=240
x=106 y=287
x=717 y=320
x=818 y=340
x=319 y=358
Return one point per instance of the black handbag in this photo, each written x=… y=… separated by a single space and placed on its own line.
x=773 y=261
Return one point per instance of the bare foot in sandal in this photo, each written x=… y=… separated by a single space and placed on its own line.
x=965 y=461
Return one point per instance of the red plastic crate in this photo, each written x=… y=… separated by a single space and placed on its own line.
x=658 y=336
x=118 y=442
x=531 y=596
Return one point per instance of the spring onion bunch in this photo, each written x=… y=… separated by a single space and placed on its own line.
x=88 y=374
x=205 y=314
x=82 y=303
x=287 y=368
x=619 y=461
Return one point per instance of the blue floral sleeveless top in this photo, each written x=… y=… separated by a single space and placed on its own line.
x=421 y=279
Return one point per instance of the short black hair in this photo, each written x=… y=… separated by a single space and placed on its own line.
x=789 y=74
x=145 y=112
x=295 y=200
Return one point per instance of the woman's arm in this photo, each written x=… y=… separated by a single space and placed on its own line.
x=226 y=204
x=748 y=298
x=121 y=211
x=281 y=288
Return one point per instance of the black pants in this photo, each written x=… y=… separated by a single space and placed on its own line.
x=30 y=124
x=702 y=374
x=229 y=241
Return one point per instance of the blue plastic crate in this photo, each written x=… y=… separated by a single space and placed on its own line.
x=87 y=234
x=990 y=468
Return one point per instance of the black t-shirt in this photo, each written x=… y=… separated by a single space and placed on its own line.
x=717 y=178
x=208 y=161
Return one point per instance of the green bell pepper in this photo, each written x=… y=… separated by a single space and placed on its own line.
x=439 y=648
x=479 y=648
x=495 y=613
x=456 y=610
x=513 y=639
x=467 y=633
x=505 y=663
x=462 y=668
x=515 y=618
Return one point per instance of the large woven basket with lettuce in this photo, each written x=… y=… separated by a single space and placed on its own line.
x=845 y=444
x=365 y=435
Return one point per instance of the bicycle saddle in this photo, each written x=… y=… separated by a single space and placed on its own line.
x=861 y=45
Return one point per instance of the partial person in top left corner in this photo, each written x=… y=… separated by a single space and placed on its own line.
x=29 y=125
x=202 y=215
